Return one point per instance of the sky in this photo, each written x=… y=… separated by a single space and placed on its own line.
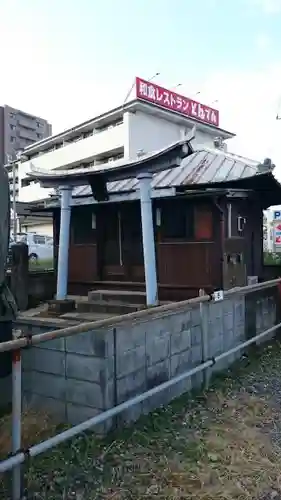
x=68 y=60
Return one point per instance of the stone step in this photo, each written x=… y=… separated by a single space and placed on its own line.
x=88 y=317
x=126 y=296
x=106 y=307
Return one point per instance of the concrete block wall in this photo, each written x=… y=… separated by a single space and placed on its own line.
x=226 y=329
x=78 y=377
x=72 y=378
x=266 y=314
x=163 y=347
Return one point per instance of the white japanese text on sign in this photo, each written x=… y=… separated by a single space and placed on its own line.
x=151 y=92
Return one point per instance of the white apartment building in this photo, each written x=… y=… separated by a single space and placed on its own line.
x=155 y=118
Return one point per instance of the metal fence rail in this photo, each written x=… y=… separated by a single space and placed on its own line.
x=19 y=457
x=174 y=307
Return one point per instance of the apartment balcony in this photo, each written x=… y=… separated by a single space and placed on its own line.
x=26 y=133
x=83 y=151
x=26 y=122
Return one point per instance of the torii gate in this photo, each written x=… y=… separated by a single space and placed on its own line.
x=143 y=168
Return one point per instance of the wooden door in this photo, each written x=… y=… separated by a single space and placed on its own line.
x=120 y=242
x=131 y=241
x=109 y=249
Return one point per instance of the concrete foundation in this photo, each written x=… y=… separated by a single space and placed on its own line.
x=63 y=306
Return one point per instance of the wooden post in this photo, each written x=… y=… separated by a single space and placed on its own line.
x=19 y=275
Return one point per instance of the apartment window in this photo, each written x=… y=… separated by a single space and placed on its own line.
x=102 y=129
x=12 y=139
x=12 y=115
x=11 y=180
x=115 y=123
x=88 y=134
x=108 y=159
x=33 y=155
x=25 y=182
x=74 y=139
x=39 y=124
x=12 y=127
x=39 y=136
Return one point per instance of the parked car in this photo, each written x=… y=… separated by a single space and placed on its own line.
x=40 y=247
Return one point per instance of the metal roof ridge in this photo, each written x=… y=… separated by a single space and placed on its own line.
x=229 y=154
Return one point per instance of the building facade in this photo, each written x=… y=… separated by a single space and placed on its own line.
x=154 y=119
x=19 y=130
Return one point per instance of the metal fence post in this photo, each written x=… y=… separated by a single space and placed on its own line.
x=204 y=309
x=16 y=417
x=204 y=336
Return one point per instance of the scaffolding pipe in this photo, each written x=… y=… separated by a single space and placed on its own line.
x=37 y=449
x=114 y=321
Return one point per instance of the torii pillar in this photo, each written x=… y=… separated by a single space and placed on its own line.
x=62 y=275
x=148 y=241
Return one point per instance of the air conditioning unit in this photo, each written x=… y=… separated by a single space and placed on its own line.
x=218 y=143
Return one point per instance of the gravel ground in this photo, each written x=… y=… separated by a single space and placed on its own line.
x=221 y=445
x=263 y=380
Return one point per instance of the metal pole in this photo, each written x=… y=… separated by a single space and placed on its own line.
x=102 y=417
x=16 y=419
x=134 y=83
x=168 y=309
x=173 y=308
x=148 y=240
x=14 y=203
x=205 y=340
x=62 y=277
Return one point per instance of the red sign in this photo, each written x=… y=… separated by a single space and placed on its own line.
x=149 y=91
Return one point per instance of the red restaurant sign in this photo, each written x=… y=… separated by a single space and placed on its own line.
x=149 y=91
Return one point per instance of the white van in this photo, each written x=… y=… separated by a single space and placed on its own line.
x=40 y=247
